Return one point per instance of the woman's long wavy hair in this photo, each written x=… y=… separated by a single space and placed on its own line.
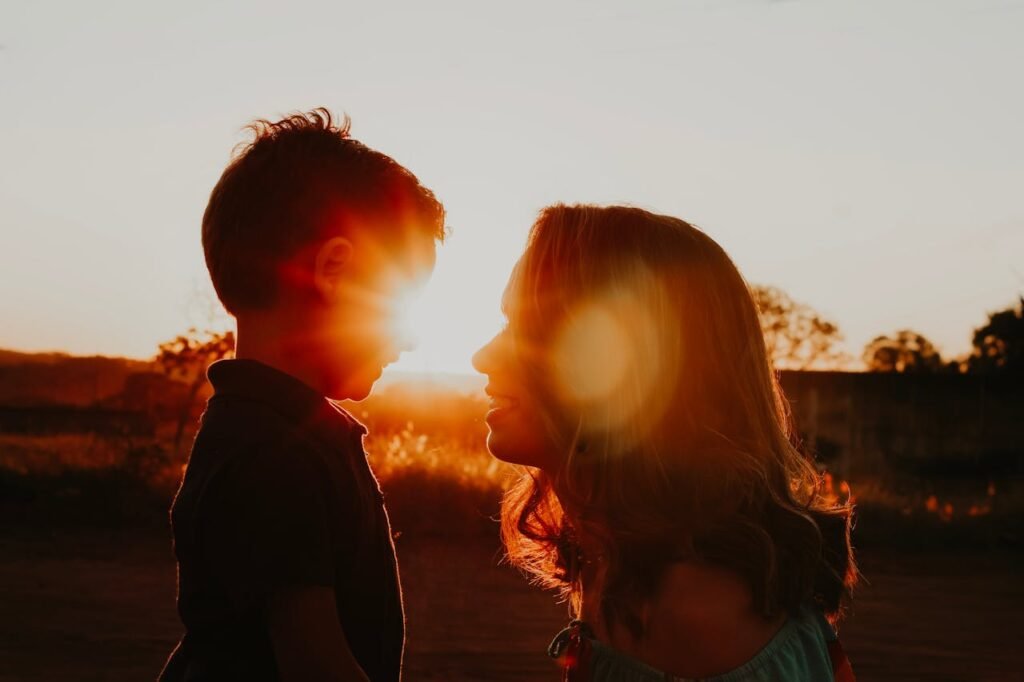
x=691 y=456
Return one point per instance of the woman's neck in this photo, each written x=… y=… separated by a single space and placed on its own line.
x=698 y=622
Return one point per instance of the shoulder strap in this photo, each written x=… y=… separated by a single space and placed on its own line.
x=842 y=671
x=571 y=650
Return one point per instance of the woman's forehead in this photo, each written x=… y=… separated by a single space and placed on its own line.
x=509 y=295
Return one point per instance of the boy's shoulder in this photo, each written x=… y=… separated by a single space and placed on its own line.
x=255 y=424
x=264 y=436
x=248 y=436
x=247 y=478
x=242 y=422
x=254 y=405
x=246 y=455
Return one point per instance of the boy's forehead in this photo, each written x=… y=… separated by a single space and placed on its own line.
x=393 y=235
x=410 y=257
x=424 y=251
x=417 y=255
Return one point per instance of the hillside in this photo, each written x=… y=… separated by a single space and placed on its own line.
x=61 y=379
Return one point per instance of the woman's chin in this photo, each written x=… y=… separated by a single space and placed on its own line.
x=497 y=448
x=510 y=447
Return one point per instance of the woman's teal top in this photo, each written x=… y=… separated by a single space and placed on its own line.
x=797 y=653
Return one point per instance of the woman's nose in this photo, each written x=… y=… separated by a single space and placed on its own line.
x=483 y=359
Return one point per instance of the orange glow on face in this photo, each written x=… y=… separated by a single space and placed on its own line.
x=387 y=286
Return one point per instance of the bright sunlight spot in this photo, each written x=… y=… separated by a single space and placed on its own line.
x=451 y=316
x=609 y=361
x=593 y=355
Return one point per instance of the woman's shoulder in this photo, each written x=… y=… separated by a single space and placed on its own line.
x=701 y=624
x=797 y=652
x=702 y=621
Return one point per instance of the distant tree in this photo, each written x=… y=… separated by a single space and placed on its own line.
x=999 y=344
x=186 y=358
x=796 y=335
x=905 y=351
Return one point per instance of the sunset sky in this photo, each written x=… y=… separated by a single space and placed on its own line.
x=865 y=156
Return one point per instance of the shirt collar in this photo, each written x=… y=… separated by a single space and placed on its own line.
x=288 y=395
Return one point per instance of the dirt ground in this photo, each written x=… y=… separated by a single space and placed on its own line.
x=100 y=606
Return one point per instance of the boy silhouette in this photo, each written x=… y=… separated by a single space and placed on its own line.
x=286 y=567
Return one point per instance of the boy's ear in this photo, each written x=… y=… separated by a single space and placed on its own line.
x=332 y=261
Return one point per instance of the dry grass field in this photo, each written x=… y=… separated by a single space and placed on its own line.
x=87 y=575
x=92 y=605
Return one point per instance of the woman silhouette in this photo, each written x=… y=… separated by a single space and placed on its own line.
x=663 y=493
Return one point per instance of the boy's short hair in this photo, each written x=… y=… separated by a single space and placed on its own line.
x=301 y=180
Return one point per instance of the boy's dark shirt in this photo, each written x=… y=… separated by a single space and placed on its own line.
x=278 y=493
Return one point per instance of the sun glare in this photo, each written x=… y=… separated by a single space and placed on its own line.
x=404 y=321
x=449 y=317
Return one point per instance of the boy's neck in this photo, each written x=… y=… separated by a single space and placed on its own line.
x=252 y=342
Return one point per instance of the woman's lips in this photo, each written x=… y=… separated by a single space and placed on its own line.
x=501 y=402
x=500 y=405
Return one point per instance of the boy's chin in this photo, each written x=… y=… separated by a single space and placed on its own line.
x=359 y=392
x=356 y=386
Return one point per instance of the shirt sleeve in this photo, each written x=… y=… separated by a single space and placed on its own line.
x=266 y=526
